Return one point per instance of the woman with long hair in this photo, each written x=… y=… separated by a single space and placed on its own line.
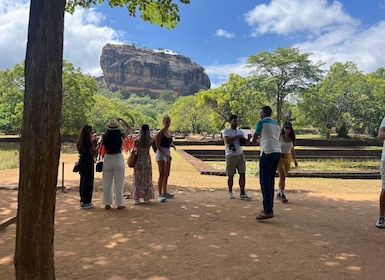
x=86 y=166
x=163 y=142
x=142 y=180
x=113 y=166
x=287 y=141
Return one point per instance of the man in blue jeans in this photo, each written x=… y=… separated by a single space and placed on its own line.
x=267 y=133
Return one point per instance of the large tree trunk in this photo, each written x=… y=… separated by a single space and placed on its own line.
x=40 y=141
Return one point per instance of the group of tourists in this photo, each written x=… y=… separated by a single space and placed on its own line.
x=113 y=170
x=276 y=154
x=276 y=151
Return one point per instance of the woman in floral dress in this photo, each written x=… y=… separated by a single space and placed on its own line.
x=142 y=182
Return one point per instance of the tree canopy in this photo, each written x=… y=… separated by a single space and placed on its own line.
x=286 y=71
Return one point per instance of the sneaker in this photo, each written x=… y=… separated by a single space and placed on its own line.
x=380 y=222
x=231 y=196
x=161 y=199
x=136 y=202
x=282 y=197
x=146 y=201
x=86 y=206
x=168 y=195
x=245 y=197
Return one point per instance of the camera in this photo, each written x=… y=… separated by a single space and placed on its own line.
x=232 y=147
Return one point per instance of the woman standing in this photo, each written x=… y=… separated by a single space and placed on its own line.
x=142 y=182
x=163 y=142
x=113 y=166
x=86 y=166
x=287 y=141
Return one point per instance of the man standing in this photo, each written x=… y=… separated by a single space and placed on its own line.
x=381 y=220
x=267 y=132
x=235 y=159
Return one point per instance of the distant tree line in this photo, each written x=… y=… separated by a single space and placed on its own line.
x=341 y=100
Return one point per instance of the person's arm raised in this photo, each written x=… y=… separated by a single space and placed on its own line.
x=128 y=127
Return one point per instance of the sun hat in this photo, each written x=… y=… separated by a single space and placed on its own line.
x=113 y=124
x=287 y=125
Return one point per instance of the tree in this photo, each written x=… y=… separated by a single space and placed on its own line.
x=235 y=96
x=338 y=101
x=185 y=114
x=40 y=141
x=11 y=99
x=78 y=99
x=167 y=95
x=286 y=72
x=375 y=107
x=78 y=90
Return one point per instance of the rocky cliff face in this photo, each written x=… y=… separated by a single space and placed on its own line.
x=132 y=69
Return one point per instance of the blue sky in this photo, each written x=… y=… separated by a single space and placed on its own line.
x=217 y=34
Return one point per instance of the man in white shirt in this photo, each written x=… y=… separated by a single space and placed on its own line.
x=235 y=159
x=267 y=132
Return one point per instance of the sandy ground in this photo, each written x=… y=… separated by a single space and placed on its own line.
x=325 y=231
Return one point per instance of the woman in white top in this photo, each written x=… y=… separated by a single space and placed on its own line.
x=287 y=141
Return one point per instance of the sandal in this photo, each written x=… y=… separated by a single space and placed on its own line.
x=264 y=216
x=107 y=207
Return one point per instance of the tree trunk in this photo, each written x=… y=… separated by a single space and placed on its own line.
x=40 y=141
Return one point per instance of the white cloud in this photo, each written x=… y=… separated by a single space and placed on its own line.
x=84 y=36
x=285 y=17
x=220 y=72
x=224 y=33
x=327 y=31
x=365 y=48
x=13 y=32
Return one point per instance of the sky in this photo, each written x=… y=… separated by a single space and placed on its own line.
x=219 y=35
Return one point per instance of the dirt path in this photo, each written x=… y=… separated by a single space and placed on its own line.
x=326 y=231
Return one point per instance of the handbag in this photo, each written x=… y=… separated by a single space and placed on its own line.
x=131 y=161
x=99 y=166
x=76 y=167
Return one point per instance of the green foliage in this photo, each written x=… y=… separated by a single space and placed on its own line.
x=78 y=90
x=165 y=13
x=237 y=96
x=284 y=72
x=374 y=100
x=345 y=101
x=338 y=102
x=167 y=95
x=188 y=116
x=102 y=111
x=11 y=99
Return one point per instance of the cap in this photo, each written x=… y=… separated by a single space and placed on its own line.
x=287 y=125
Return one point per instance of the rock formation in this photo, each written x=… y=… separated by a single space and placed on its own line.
x=132 y=69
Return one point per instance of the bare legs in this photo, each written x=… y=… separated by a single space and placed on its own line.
x=230 y=183
x=382 y=202
x=164 y=172
x=282 y=179
x=242 y=182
